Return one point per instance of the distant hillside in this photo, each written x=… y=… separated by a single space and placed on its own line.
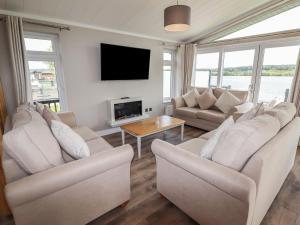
x=269 y=70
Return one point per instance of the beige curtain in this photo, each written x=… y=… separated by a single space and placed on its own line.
x=188 y=58
x=17 y=52
x=295 y=89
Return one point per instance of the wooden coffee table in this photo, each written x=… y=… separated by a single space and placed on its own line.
x=151 y=126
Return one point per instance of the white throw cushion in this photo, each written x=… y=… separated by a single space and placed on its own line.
x=256 y=111
x=207 y=99
x=33 y=147
x=208 y=149
x=238 y=143
x=69 y=140
x=49 y=115
x=284 y=112
x=190 y=98
x=227 y=101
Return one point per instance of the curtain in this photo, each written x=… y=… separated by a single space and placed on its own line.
x=17 y=52
x=295 y=89
x=188 y=58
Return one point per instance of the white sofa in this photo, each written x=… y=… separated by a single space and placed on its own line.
x=213 y=194
x=75 y=192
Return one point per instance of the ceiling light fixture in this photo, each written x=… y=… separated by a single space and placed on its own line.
x=177 y=18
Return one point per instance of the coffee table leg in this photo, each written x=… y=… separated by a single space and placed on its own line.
x=123 y=137
x=182 y=132
x=139 y=146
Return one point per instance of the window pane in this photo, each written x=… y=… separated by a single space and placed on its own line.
x=43 y=80
x=167 y=56
x=206 y=69
x=167 y=84
x=238 y=69
x=38 y=45
x=276 y=23
x=277 y=73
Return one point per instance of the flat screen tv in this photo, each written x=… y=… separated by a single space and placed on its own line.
x=124 y=63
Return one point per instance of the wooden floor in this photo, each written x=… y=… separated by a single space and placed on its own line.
x=147 y=207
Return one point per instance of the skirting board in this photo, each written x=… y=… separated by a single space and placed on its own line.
x=109 y=131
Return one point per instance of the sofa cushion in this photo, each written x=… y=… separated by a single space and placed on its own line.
x=241 y=95
x=284 y=112
x=208 y=135
x=256 y=111
x=187 y=111
x=22 y=117
x=49 y=115
x=33 y=147
x=69 y=140
x=40 y=108
x=237 y=144
x=206 y=100
x=86 y=133
x=209 y=147
x=190 y=98
x=27 y=106
x=98 y=145
x=194 y=145
x=211 y=115
x=227 y=101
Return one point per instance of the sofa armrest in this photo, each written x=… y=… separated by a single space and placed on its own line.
x=178 y=102
x=229 y=181
x=68 y=118
x=44 y=183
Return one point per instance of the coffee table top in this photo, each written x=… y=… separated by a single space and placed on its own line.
x=152 y=125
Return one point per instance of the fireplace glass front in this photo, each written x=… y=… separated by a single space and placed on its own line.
x=128 y=110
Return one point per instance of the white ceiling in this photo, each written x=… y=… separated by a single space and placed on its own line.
x=142 y=17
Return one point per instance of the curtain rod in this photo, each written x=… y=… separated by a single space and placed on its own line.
x=43 y=24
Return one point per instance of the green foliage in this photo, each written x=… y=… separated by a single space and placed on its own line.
x=268 y=70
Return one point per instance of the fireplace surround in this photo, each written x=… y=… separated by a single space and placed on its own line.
x=125 y=110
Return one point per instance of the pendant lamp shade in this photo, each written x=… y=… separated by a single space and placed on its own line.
x=177 y=18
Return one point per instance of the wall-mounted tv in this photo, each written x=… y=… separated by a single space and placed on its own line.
x=124 y=63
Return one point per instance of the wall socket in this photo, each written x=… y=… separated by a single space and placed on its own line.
x=148 y=109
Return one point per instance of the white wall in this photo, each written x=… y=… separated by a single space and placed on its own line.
x=86 y=94
x=5 y=70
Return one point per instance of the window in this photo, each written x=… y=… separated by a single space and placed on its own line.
x=206 y=73
x=266 y=69
x=168 y=71
x=277 y=73
x=238 y=69
x=280 y=22
x=44 y=69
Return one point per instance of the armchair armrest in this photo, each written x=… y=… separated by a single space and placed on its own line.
x=178 y=102
x=44 y=183
x=229 y=181
x=68 y=118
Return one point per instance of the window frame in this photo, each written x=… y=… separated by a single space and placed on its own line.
x=259 y=47
x=47 y=56
x=171 y=63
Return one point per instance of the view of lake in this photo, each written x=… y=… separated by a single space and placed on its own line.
x=271 y=87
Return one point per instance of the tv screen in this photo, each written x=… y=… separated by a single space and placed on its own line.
x=124 y=63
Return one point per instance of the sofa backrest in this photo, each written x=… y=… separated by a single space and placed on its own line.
x=271 y=164
x=242 y=95
x=28 y=118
